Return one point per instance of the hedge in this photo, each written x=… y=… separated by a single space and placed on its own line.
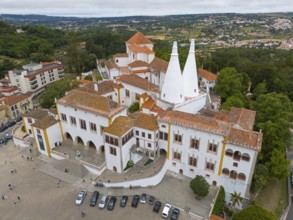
x=219 y=201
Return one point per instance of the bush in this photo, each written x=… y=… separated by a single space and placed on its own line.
x=200 y=186
x=23 y=129
x=134 y=107
x=219 y=201
x=254 y=212
x=89 y=77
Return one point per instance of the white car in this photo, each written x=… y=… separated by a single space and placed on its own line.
x=166 y=210
x=103 y=202
x=80 y=197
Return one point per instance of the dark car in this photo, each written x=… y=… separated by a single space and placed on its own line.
x=111 y=203
x=143 y=198
x=151 y=200
x=135 y=201
x=10 y=124
x=3 y=128
x=175 y=214
x=157 y=207
x=3 y=141
x=8 y=136
x=123 y=201
x=94 y=198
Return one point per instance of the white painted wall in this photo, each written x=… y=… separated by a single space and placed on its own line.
x=54 y=135
x=122 y=61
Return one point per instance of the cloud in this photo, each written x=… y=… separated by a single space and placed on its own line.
x=110 y=8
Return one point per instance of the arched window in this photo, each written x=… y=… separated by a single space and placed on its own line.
x=237 y=155
x=229 y=152
x=233 y=174
x=225 y=171
x=241 y=176
x=245 y=157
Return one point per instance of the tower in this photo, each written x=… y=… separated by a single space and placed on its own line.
x=190 y=74
x=172 y=89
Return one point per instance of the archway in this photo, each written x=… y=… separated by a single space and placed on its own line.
x=114 y=169
x=237 y=155
x=181 y=171
x=214 y=183
x=68 y=136
x=91 y=145
x=163 y=152
x=79 y=140
x=102 y=148
x=245 y=157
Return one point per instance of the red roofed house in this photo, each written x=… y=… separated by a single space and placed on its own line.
x=207 y=78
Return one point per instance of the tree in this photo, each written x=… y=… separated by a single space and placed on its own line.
x=236 y=199
x=229 y=83
x=218 y=206
x=260 y=89
x=278 y=164
x=134 y=107
x=233 y=101
x=254 y=212
x=200 y=186
x=260 y=177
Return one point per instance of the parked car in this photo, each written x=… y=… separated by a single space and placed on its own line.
x=123 y=201
x=166 y=210
x=3 y=141
x=3 y=128
x=135 y=201
x=111 y=203
x=103 y=202
x=10 y=123
x=175 y=214
x=94 y=198
x=157 y=207
x=143 y=198
x=151 y=200
x=8 y=136
x=80 y=197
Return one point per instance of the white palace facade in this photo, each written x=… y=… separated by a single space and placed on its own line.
x=174 y=120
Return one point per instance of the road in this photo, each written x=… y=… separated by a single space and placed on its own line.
x=290 y=157
x=8 y=130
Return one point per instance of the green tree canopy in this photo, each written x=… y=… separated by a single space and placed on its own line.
x=134 y=107
x=254 y=212
x=260 y=177
x=200 y=186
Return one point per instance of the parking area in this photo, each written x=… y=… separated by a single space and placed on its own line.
x=44 y=196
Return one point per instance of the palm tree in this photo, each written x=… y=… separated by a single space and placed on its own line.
x=236 y=199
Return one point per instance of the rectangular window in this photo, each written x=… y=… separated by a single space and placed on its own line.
x=72 y=120
x=210 y=166
x=149 y=136
x=149 y=145
x=164 y=136
x=142 y=134
x=213 y=147
x=29 y=120
x=82 y=124
x=30 y=131
x=192 y=161
x=163 y=126
x=63 y=117
x=101 y=129
x=176 y=155
x=93 y=127
x=178 y=138
x=127 y=93
x=194 y=143
x=113 y=151
x=137 y=133
x=111 y=140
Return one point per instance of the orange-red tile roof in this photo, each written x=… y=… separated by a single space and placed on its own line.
x=246 y=139
x=138 y=63
x=139 y=38
x=120 y=55
x=207 y=75
x=37 y=114
x=104 y=87
x=9 y=89
x=136 y=81
x=145 y=121
x=144 y=96
x=140 y=49
x=14 y=99
x=110 y=64
x=140 y=71
x=148 y=104
x=45 y=122
x=91 y=102
x=159 y=64
x=243 y=117
x=120 y=126
x=215 y=217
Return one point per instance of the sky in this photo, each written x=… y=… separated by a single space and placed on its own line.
x=118 y=8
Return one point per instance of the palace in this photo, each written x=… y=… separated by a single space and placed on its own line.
x=174 y=120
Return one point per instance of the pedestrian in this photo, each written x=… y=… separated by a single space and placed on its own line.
x=2 y=196
x=9 y=185
x=30 y=150
x=14 y=202
x=22 y=156
x=27 y=158
x=11 y=171
x=18 y=198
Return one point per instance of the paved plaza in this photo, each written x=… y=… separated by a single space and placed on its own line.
x=47 y=192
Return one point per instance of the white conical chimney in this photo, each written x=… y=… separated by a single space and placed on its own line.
x=172 y=89
x=190 y=74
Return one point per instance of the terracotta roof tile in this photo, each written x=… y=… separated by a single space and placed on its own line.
x=144 y=96
x=140 y=71
x=120 y=126
x=148 y=104
x=215 y=217
x=139 y=38
x=5 y=89
x=110 y=64
x=207 y=75
x=140 y=49
x=120 y=55
x=159 y=64
x=104 y=87
x=246 y=139
x=138 y=63
x=14 y=99
x=145 y=121
x=36 y=114
x=124 y=69
x=91 y=102
x=45 y=122
x=137 y=81
x=243 y=117
x=195 y=121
